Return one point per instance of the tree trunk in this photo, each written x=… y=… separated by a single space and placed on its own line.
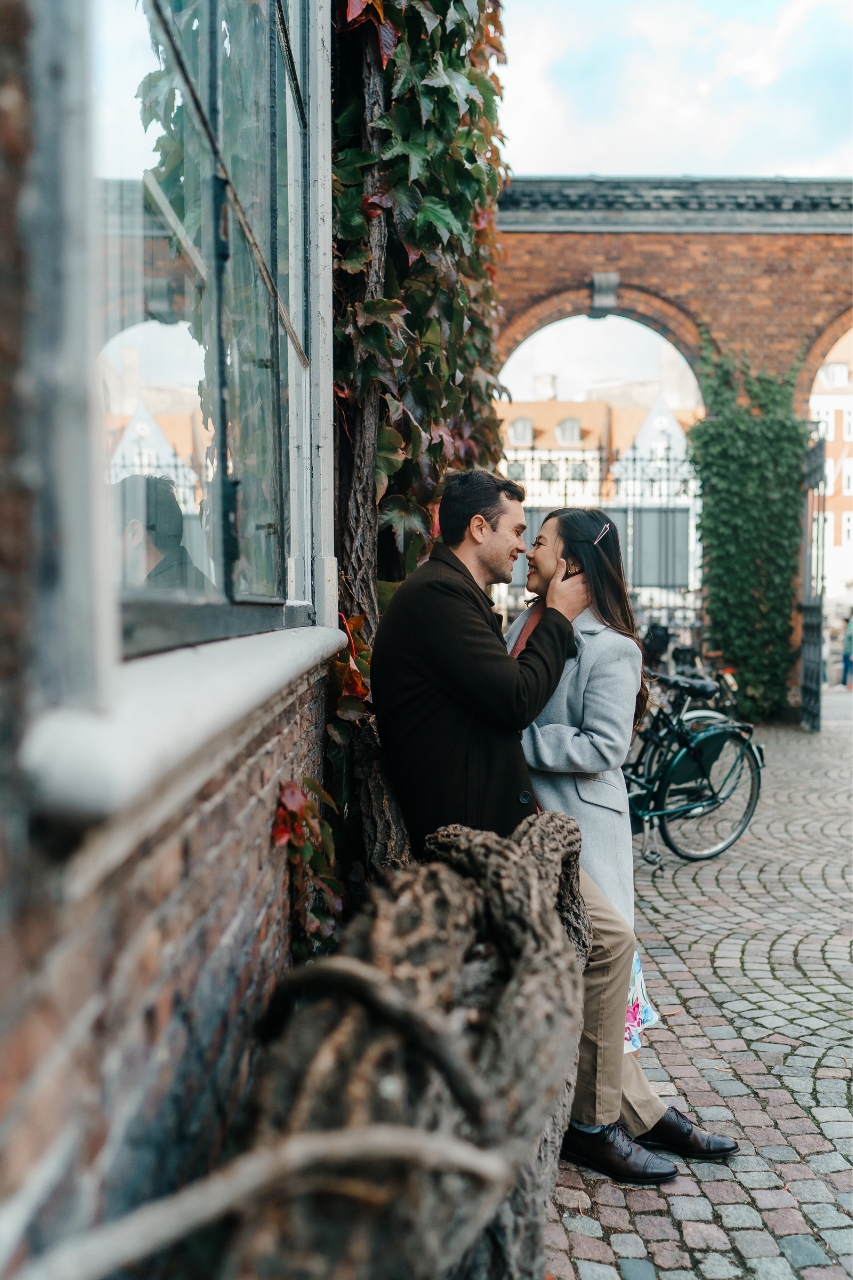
x=358 y=571
x=452 y=1008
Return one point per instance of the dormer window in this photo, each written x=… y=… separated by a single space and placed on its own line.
x=521 y=432
x=568 y=431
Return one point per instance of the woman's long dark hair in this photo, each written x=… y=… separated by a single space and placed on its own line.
x=600 y=559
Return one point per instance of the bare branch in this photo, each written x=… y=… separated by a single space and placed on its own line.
x=344 y=975
x=99 y=1252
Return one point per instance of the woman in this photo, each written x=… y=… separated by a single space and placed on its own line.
x=577 y=745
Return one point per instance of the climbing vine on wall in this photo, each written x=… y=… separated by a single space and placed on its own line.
x=749 y=453
x=417 y=170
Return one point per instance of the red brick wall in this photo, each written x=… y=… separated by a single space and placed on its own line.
x=129 y=1014
x=769 y=296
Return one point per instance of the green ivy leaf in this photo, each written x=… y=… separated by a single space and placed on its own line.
x=438 y=214
x=390 y=456
x=429 y=15
x=355 y=259
x=405 y=516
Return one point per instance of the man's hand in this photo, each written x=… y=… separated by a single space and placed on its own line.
x=569 y=597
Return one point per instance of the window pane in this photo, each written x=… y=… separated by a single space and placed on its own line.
x=254 y=441
x=156 y=368
x=245 y=35
x=290 y=192
x=189 y=25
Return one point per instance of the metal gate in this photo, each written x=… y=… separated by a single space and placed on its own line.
x=814 y=529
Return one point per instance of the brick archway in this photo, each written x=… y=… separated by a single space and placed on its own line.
x=634 y=304
x=763 y=266
x=816 y=355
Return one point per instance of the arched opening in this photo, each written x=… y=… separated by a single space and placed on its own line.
x=599 y=417
x=647 y=309
x=830 y=408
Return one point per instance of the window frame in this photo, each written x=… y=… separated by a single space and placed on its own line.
x=152 y=625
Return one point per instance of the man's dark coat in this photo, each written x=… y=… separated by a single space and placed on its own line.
x=451 y=703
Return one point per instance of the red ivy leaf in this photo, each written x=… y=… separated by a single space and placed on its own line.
x=293 y=798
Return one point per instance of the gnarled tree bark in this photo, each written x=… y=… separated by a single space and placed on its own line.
x=361 y=519
x=475 y=945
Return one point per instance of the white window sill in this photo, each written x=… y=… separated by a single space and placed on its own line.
x=170 y=712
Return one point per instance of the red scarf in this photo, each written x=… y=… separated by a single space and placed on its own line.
x=534 y=617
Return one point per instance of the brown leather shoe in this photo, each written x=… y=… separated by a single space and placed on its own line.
x=615 y=1153
x=674 y=1132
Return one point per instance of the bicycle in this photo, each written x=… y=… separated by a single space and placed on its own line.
x=695 y=780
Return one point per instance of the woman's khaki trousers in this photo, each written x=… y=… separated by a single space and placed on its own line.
x=611 y=1084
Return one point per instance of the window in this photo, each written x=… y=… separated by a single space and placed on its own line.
x=847 y=528
x=847 y=424
x=834 y=375
x=515 y=471
x=829 y=483
x=548 y=471
x=824 y=416
x=568 y=431
x=521 y=431
x=847 y=477
x=200 y=151
x=580 y=472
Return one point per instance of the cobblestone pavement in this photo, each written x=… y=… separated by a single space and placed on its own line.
x=748 y=966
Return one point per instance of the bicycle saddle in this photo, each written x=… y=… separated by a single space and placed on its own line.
x=687 y=684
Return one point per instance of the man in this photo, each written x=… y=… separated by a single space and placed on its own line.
x=152 y=530
x=451 y=704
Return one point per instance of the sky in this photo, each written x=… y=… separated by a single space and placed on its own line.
x=664 y=87
x=582 y=352
x=121 y=58
x=725 y=88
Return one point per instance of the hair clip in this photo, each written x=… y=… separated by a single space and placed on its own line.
x=601 y=535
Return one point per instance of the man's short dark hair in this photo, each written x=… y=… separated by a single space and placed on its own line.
x=153 y=500
x=473 y=493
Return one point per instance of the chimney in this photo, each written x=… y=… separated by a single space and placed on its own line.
x=545 y=386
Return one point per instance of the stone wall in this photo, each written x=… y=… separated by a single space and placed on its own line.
x=126 y=1015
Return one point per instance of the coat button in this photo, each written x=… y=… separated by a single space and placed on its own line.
x=525 y=797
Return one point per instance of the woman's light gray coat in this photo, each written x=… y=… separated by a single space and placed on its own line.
x=575 y=748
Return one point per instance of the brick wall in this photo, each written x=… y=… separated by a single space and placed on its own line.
x=126 y=1017
x=767 y=295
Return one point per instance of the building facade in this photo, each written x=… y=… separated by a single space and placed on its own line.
x=831 y=408
x=167 y=570
x=632 y=462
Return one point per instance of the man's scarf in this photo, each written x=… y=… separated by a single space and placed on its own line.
x=534 y=617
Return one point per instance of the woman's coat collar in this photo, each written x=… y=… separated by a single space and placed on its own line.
x=587 y=624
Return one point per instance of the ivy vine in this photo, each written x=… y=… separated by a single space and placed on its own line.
x=430 y=166
x=749 y=452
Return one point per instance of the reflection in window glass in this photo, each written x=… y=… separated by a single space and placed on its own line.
x=254 y=445
x=155 y=371
x=189 y=26
x=245 y=33
x=290 y=224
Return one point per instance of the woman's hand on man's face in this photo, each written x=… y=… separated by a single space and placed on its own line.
x=568 y=596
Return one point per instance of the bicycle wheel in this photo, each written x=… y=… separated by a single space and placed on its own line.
x=717 y=788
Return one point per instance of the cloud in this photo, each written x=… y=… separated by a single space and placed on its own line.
x=678 y=86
